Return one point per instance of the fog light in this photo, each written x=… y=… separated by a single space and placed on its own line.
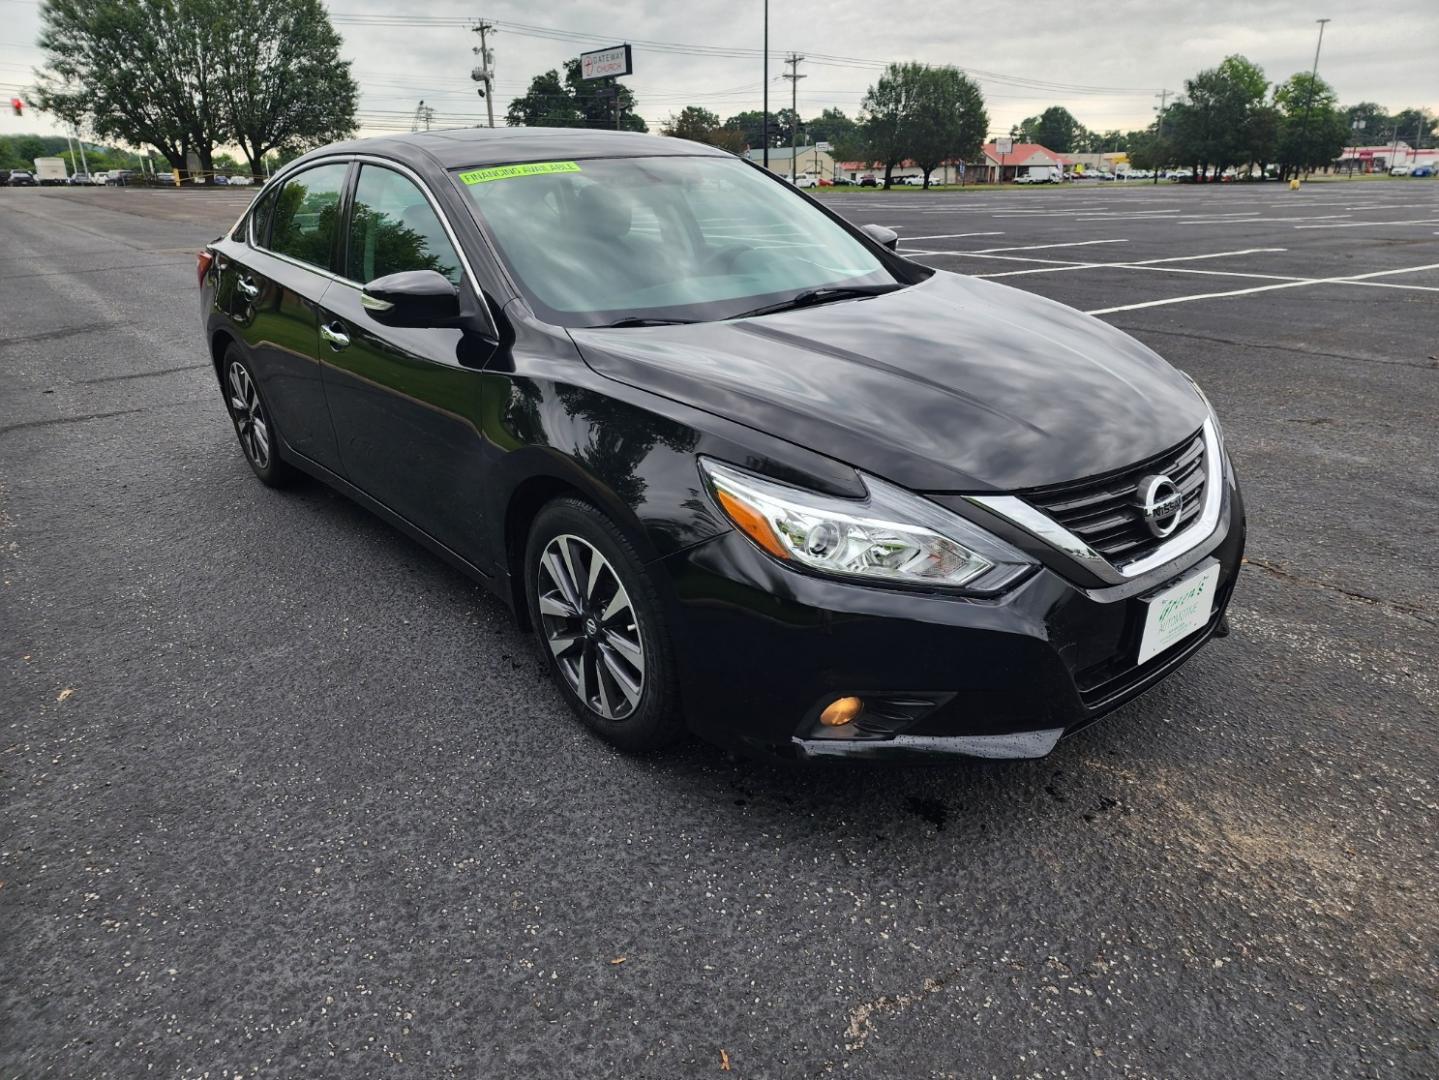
x=841 y=711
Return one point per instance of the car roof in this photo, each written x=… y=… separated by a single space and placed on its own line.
x=470 y=147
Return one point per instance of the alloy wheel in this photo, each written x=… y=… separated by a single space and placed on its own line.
x=249 y=415
x=590 y=626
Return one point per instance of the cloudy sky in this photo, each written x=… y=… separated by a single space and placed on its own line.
x=1103 y=62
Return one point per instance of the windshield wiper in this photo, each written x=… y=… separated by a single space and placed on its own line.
x=635 y=320
x=810 y=297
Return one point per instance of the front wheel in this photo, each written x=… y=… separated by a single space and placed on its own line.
x=600 y=626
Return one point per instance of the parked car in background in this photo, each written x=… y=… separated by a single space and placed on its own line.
x=869 y=180
x=22 y=178
x=51 y=170
x=1422 y=170
x=240 y=181
x=119 y=177
x=220 y=181
x=1399 y=170
x=81 y=179
x=842 y=504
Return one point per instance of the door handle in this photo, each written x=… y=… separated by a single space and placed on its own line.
x=247 y=288
x=335 y=335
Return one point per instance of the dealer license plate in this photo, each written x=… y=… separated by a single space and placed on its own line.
x=1178 y=611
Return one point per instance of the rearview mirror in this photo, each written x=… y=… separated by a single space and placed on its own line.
x=416 y=298
x=880 y=235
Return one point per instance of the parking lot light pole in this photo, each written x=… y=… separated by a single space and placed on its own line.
x=1313 y=81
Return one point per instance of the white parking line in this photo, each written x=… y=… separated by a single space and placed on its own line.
x=1350 y=279
x=948 y=236
x=1040 y=247
x=1362 y=224
x=1053 y=266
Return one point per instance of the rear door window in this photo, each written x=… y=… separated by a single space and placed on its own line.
x=306 y=215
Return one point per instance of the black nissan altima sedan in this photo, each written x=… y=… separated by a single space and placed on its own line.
x=740 y=466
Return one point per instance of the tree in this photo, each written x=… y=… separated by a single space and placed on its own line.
x=1055 y=129
x=1208 y=125
x=1260 y=138
x=146 y=72
x=834 y=127
x=574 y=102
x=187 y=75
x=1313 y=131
x=1375 y=119
x=786 y=128
x=947 y=119
x=750 y=125
x=1418 y=127
x=693 y=123
x=1150 y=151
x=284 y=83
x=702 y=126
x=547 y=103
x=592 y=96
x=888 y=113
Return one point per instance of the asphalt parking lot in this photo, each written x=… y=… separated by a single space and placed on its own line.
x=284 y=795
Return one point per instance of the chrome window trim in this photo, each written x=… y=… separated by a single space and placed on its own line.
x=280 y=180
x=1015 y=510
x=415 y=178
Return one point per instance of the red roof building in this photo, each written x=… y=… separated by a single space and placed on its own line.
x=1021 y=157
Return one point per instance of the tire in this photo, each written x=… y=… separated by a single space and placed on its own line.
x=251 y=415
x=614 y=665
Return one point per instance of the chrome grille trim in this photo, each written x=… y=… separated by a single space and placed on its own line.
x=1041 y=525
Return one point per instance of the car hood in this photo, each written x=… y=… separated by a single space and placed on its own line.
x=954 y=384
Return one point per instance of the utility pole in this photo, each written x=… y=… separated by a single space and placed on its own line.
x=485 y=73
x=1313 y=85
x=764 y=122
x=794 y=77
x=1163 y=97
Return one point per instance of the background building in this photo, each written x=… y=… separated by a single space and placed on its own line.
x=815 y=162
x=1002 y=168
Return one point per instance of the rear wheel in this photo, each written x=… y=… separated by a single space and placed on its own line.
x=600 y=627
x=251 y=417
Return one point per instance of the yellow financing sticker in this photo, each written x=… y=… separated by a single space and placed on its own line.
x=504 y=172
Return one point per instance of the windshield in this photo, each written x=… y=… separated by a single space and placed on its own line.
x=596 y=241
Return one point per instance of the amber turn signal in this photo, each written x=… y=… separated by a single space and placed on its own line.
x=841 y=711
x=753 y=524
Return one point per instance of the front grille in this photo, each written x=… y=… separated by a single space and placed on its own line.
x=1101 y=511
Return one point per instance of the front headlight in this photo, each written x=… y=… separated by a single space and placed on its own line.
x=891 y=536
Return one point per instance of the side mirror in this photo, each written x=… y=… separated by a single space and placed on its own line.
x=880 y=235
x=415 y=298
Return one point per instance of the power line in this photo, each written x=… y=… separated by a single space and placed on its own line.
x=719 y=51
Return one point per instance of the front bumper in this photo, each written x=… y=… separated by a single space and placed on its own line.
x=762 y=649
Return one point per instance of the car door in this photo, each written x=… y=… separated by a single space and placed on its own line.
x=271 y=287
x=405 y=401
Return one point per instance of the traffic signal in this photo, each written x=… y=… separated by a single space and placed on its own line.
x=18 y=106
